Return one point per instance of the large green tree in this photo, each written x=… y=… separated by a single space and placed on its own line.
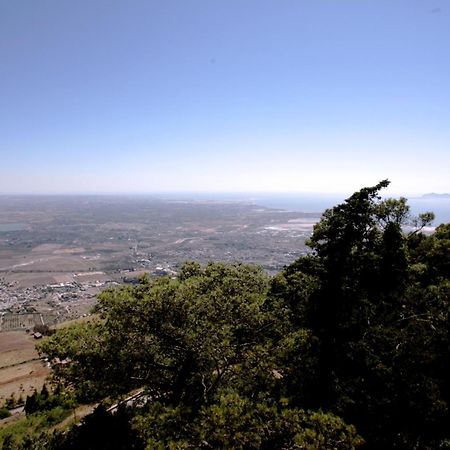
x=375 y=298
x=356 y=332
x=210 y=352
x=177 y=338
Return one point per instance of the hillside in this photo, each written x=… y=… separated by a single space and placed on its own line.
x=347 y=347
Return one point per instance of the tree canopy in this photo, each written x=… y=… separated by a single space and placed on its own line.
x=378 y=308
x=346 y=347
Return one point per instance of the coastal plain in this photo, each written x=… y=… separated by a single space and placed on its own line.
x=45 y=240
x=58 y=252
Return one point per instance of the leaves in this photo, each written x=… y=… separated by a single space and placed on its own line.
x=378 y=309
x=354 y=333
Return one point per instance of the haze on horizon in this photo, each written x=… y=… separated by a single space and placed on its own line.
x=230 y=96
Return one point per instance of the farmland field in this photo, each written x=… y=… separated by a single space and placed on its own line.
x=21 y=371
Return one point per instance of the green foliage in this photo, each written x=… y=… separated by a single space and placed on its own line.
x=376 y=302
x=27 y=433
x=100 y=430
x=354 y=333
x=4 y=413
x=87 y=342
x=46 y=401
x=10 y=402
x=179 y=338
x=45 y=330
x=236 y=422
x=210 y=341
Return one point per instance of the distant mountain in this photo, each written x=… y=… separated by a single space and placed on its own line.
x=433 y=195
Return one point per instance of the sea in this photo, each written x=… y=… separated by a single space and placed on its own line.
x=311 y=203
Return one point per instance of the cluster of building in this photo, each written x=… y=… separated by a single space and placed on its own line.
x=47 y=304
x=24 y=308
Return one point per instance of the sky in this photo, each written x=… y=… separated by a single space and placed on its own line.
x=224 y=96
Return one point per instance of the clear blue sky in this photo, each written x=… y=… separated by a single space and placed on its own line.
x=224 y=95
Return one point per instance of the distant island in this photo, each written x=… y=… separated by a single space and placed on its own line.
x=434 y=195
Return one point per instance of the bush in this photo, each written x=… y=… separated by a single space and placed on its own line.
x=45 y=330
x=4 y=413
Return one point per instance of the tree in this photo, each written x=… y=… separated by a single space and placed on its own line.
x=354 y=333
x=376 y=302
x=207 y=345
x=11 y=401
x=31 y=404
x=178 y=338
x=237 y=422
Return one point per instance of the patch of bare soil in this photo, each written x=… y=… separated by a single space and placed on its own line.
x=21 y=370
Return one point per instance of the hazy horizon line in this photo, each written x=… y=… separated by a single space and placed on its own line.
x=203 y=193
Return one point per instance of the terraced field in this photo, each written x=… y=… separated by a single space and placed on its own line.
x=21 y=370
